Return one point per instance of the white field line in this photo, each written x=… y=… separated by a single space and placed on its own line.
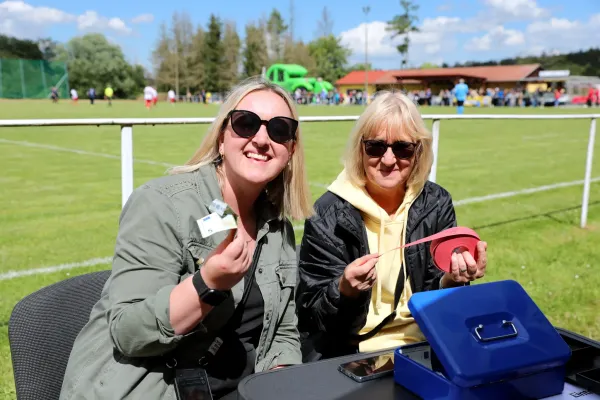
x=48 y=270
x=103 y=155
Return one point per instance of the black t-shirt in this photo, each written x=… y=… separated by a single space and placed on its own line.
x=237 y=355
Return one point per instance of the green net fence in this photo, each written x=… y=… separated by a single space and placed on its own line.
x=32 y=79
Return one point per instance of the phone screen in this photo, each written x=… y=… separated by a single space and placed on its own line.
x=371 y=366
x=192 y=384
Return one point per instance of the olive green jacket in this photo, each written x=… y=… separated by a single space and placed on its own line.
x=120 y=353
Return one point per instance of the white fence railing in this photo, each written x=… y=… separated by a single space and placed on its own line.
x=127 y=125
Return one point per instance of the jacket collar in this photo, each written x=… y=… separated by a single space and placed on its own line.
x=350 y=219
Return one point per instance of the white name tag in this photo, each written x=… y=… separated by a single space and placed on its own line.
x=213 y=223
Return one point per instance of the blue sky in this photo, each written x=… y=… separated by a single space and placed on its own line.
x=450 y=31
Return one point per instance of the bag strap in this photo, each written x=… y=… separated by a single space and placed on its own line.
x=230 y=326
x=356 y=338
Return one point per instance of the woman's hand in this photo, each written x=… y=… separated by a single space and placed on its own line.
x=227 y=264
x=359 y=276
x=465 y=268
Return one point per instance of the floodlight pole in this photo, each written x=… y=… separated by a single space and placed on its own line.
x=366 y=10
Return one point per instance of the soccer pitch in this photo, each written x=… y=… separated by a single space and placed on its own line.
x=61 y=196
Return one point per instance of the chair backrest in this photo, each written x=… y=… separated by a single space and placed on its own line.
x=42 y=329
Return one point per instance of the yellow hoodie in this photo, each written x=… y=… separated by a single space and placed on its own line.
x=384 y=232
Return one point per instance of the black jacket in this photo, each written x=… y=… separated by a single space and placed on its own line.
x=333 y=238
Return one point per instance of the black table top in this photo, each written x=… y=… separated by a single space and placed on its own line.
x=319 y=381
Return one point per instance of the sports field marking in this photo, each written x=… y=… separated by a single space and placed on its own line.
x=78 y=151
x=106 y=260
x=49 y=270
x=103 y=155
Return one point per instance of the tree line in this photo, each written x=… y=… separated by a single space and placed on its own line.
x=213 y=58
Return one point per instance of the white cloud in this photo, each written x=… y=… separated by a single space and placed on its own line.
x=142 y=18
x=496 y=37
x=91 y=21
x=514 y=10
x=429 y=41
x=563 y=35
x=23 y=20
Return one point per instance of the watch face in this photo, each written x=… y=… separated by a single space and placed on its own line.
x=214 y=297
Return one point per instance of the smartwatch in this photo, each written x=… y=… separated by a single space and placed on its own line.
x=209 y=296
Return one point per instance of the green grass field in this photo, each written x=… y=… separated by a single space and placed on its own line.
x=60 y=206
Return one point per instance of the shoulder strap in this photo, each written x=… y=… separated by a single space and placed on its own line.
x=230 y=325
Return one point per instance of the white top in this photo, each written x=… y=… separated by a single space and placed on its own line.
x=154 y=92
x=74 y=93
x=171 y=94
x=148 y=93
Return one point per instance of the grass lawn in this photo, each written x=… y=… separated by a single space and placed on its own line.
x=60 y=206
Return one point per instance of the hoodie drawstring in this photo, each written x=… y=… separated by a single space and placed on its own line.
x=380 y=239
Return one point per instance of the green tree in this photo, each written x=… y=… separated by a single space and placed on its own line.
x=196 y=62
x=331 y=57
x=11 y=47
x=95 y=62
x=402 y=25
x=182 y=32
x=164 y=60
x=213 y=56
x=231 y=49
x=299 y=53
x=276 y=27
x=360 y=67
x=428 y=65
x=255 y=51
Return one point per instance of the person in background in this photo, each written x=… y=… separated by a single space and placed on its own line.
x=108 y=94
x=461 y=90
x=220 y=304
x=148 y=96
x=171 y=96
x=154 y=96
x=54 y=94
x=92 y=95
x=354 y=281
x=74 y=96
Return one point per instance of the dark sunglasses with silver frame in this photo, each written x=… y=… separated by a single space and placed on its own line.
x=247 y=124
x=402 y=150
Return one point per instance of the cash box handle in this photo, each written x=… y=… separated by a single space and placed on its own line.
x=504 y=323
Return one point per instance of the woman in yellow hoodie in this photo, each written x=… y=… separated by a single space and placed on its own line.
x=353 y=287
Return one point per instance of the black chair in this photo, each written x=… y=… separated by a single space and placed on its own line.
x=42 y=329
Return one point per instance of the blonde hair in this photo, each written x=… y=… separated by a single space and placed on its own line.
x=289 y=191
x=395 y=113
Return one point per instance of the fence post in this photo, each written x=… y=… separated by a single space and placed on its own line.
x=588 y=173
x=126 y=163
x=23 y=91
x=436 y=142
x=43 y=76
x=0 y=78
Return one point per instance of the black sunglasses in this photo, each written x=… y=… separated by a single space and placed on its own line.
x=246 y=124
x=401 y=150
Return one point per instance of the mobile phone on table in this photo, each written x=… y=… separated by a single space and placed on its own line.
x=369 y=368
x=192 y=384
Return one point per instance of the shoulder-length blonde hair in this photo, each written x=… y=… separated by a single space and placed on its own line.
x=396 y=114
x=289 y=191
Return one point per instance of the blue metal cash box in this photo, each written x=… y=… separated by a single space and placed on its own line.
x=488 y=341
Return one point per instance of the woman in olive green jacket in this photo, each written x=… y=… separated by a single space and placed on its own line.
x=173 y=287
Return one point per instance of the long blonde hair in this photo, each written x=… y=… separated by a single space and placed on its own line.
x=396 y=113
x=289 y=191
